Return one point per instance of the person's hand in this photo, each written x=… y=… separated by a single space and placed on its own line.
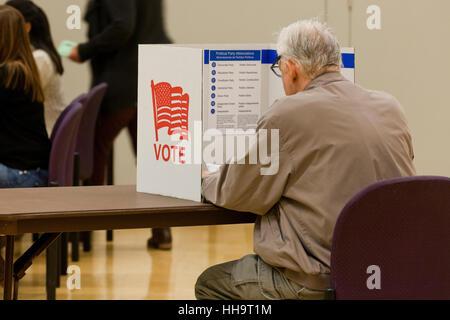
x=205 y=174
x=74 y=55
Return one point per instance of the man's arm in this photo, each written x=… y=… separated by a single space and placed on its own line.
x=123 y=23
x=244 y=188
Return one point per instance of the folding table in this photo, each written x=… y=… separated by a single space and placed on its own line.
x=52 y=211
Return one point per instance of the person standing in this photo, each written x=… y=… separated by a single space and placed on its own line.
x=116 y=28
x=47 y=59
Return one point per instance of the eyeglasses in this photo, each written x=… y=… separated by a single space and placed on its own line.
x=276 y=67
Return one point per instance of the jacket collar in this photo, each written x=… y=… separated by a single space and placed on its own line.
x=325 y=79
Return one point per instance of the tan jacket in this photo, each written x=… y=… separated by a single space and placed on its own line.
x=336 y=138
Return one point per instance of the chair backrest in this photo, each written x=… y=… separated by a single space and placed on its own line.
x=392 y=241
x=81 y=99
x=63 y=146
x=86 y=136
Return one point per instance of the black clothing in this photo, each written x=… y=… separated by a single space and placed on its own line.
x=116 y=27
x=24 y=142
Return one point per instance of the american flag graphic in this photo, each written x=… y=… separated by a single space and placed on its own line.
x=171 y=109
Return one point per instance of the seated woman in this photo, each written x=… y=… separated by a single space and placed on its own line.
x=47 y=59
x=24 y=142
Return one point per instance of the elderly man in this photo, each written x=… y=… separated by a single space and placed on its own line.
x=335 y=138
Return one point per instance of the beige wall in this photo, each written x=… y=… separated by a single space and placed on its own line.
x=407 y=58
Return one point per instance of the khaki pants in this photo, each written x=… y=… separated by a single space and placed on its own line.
x=250 y=278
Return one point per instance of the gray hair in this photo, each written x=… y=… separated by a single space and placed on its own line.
x=310 y=43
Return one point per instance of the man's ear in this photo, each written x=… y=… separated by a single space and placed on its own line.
x=292 y=70
x=28 y=27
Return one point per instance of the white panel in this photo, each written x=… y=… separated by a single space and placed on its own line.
x=162 y=168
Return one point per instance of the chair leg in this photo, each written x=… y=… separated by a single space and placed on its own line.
x=35 y=237
x=76 y=169
x=110 y=173
x=58 y=262
x=109 y=235
x=76 y=183
x=16 y=289
x=52 y=265
x=64 y=257
x=75 y=236
x=110 y=181
x=86 y=238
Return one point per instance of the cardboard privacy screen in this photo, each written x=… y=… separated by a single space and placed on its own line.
x=186 y=90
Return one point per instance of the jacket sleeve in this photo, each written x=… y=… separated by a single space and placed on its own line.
x=244 y=187
x=122 y=26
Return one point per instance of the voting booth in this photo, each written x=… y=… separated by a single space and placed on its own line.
x=188 y=91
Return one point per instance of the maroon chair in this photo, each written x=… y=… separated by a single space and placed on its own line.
x=392 y=241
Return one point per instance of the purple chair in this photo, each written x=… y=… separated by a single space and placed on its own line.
x=84 y=152
x=85 y=141
x=60 y=172
x=80 y=99
x=63 y=146
x=82 y=158
x=392 y=241
x=64 y=175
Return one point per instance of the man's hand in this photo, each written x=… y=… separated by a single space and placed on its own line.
x=74 y=55
x=205 y=173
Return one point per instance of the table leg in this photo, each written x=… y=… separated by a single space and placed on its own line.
x=9 y=268
x=26 y=259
